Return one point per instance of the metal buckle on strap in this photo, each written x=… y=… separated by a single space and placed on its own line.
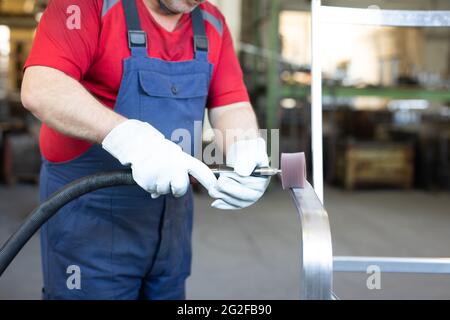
x=201 y=43
x=137 y=39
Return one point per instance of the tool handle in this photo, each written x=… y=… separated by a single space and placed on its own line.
x=259 y=172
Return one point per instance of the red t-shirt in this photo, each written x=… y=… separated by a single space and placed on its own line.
x=93 y=55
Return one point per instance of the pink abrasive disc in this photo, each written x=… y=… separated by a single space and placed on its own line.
x=293 y=170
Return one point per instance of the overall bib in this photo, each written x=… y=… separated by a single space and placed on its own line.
x=119 y=243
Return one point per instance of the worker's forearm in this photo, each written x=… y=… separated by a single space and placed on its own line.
x=235 y=122
x=66 y=106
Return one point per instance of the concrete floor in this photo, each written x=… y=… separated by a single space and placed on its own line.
x=253 y=254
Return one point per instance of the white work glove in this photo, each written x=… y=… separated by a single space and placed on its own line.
x=159 y=166
x=238 y=190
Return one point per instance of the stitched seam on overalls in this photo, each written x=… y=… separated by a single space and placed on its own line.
x=124 y=79
x=154 y=261
x=139 y=96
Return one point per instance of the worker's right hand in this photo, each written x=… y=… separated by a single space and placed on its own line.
x=159 y=166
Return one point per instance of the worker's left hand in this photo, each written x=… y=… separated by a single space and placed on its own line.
x=238 y=190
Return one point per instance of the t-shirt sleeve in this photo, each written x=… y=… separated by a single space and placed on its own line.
x=67 y=36
x=227 y=85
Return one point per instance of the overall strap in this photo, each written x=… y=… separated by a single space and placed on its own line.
x=137 y=38
x=201 y=46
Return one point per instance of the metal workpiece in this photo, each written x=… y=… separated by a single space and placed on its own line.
x=393 y=265
x=317 y=263
x=317 y=260
x=316 y=254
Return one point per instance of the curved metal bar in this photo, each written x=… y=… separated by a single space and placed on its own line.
x=316 y=255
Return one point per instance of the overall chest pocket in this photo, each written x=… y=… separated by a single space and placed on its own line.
x=186 y=86
x=175 y=105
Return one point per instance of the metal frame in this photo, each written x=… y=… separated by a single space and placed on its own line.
x=393 y=265
x=273 y=83
x=341 y=15
x=317 y=262
x=316 y=253
x=388 y=18
x=316 y=100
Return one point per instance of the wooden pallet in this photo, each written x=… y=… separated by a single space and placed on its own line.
x=370 y=164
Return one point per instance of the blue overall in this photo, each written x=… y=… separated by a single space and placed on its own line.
x=119 y=243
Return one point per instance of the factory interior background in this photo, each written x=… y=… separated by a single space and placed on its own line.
x=386 y=137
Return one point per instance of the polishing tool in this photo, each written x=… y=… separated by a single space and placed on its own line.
x=292 y=172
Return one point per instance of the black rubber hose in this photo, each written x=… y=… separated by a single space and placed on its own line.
x=50 y=207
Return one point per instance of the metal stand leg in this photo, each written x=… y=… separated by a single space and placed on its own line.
x=316 y=265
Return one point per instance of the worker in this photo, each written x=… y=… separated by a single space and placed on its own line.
x=112 y=81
